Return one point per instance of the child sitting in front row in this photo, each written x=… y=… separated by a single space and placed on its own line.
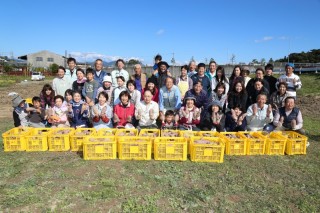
x=36 y=113
x=78 y=111
x=169 y=120
x=57 y=115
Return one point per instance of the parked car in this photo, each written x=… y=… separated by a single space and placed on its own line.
x=37 y=76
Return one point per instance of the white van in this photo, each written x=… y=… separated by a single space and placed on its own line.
x=37 y=76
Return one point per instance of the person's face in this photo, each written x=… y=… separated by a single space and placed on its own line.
x=269 y=72
x=192 y=66
x=137 y=70
x=237 y=71
x=80 y=75
x=289 y=104
x=219 y=74
x=58 y=102
x=36 y=104
x=201 y=70
x=289 y=70
x=169 y=83
x=69 y=97
x=124 y=99
x=102 y=99
x=89 y=76
x=60 y=73
x=120 y=65
x=130 y=87
x=220 y=90
x=76 y=97
x=150 y=86
x=238 y=87
x=71 y=65
x=169 y=118
x=258 y=85
x=213 y=67
x=261 y=100
x=190 y=103
x=197 y=88
x=120 y=82
x=282 y=89
x=107 y=84
x=48 y=92
x=21 y=105
x=244 y=74
x=147 y=97
x=98 y=65
x=259 y=74
x=215 y=109
x=184 y=72
x=163 y=68
x=237 y=111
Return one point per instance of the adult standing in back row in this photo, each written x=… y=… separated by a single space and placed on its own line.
x=200 y=76
x=119 y=72
x=293 y=81
x=98 y=72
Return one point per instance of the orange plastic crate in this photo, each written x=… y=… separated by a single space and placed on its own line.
x=100 y=148
x=170 y=148
x=14 y=139
x=275 y=144
x=37 y=139
x=79 y=136
x=236 y=143
x=134 y=148
x=211 y=152
x=59 y=139
x=255 y=143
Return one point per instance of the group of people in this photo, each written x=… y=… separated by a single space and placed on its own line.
x=198 y=99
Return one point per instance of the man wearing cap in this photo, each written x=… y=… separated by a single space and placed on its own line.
x=293 y=81
x=200 y=76
x=98 y=72
x=162 y=74
x=271 y=79
x=119 y=72
x=169 y=97
x=106 y=87
x=71 y=73
x=139 y=78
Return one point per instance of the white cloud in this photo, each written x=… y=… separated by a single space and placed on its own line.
x=92 y=56
x=160 y=32
x=266 y=38
x=283 y=38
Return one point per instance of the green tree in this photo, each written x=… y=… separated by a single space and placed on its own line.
x=7 y=67
x=263 y=61
x=133 y=62
x=271 y=61
x=53 y=68
x=255 y=61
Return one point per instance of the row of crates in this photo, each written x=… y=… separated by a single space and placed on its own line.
x=202 y=146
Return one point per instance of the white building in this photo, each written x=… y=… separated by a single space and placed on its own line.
x=43 y=59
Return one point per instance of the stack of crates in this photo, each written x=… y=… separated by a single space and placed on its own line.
x=207 y=149
x=188 y=134
x=236 y=143
x=79 y=136
x=275 y=144
x=14 y=139
x=256 y=143
x=98 y=147
x=37 y=139
x=59 y=139
x=296 y=143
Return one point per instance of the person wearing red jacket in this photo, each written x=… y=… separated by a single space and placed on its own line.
x=124 y=111
x=189 y=114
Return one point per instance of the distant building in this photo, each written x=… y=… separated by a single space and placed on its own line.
x=43 y=59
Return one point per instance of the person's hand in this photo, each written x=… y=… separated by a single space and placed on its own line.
x=38 y=110
x=169 y=73
x=116 y=118
x=69 y=107
x=184 y=112
x=254 y=109
x=88 y=100
x=293 y=124
x=151 y=113
x=280 y=121
x=294 y=81
x=129 y=119
x=176 y=118
x=269 y=110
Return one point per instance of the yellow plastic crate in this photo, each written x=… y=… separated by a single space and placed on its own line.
x=106 y=132
x=59 y=139
x=188 y=134
x=79 y=136
x=208 y=134
x=211 y=152
x=236 y=143
x=173 y=133
x=100 y=148
x=126 y=132
x=275 y=144
x=296 y=143
x=37 y=139
x=134 y=148
x=151 y=133
x=170 y=148
x=14 y=139
x=256 y=143
x=28 y=100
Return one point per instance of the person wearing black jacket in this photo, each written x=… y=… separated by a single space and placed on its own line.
x=259 y=74
x=270 y=79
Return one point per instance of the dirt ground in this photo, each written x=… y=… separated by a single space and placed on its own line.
x=308 y=104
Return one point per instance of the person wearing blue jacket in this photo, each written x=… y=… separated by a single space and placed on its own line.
x=169 y=96
x=78 y=111
x=200 y=76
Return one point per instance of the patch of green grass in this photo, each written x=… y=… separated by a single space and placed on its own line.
x=310 y=84
x=7 y=80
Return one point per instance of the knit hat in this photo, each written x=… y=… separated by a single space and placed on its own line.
x=216 y=103
x=290 y=65
x=16 y=99
x=189 y=97
x=107 y=78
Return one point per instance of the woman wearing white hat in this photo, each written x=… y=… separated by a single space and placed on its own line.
x=106 y=87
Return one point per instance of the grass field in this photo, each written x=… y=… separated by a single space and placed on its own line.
x=64 y=182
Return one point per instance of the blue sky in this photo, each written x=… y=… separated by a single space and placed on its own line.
x=141 y=29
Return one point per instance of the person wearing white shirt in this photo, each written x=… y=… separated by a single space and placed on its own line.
x=259 y=115
x=119 y=72
x=61 y=83
x=71 y=72
x=147 y=111
x=293 y=81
